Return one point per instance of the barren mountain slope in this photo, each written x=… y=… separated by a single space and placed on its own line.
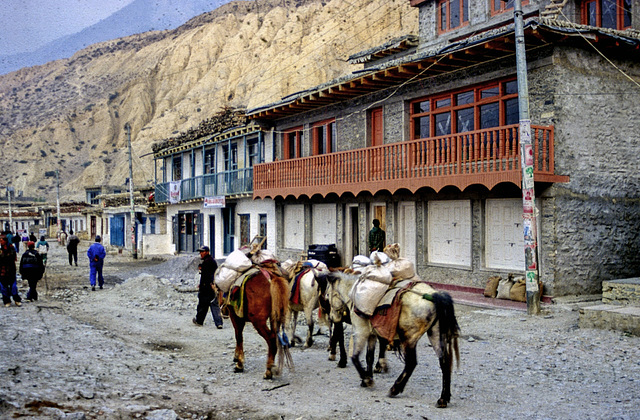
x=70 y=114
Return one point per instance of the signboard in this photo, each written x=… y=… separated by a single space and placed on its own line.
x=174 y=192
x=217 y=202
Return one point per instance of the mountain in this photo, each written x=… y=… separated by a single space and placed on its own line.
x=70 y=114
x=139 y=16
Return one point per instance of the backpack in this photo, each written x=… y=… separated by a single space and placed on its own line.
x=29 y=260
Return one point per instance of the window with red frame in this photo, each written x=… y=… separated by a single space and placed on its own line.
x=323 y=136
x=452 y=14
x=613 y=14
x=293 y=143
x=499 y=6
x=469 y=109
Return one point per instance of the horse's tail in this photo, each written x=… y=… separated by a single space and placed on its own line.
x=279 y=315
x=448 y=326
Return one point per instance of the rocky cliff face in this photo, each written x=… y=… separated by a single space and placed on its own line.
x=70 y=114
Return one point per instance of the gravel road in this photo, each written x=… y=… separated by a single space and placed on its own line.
x=131 y=351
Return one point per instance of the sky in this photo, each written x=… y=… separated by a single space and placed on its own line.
x=26 y=25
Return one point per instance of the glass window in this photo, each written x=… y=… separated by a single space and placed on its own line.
x=452 y=14
x=464 y=98
x=177 y=167
x=210 y=161
x=490 y=115
x=511 y=111
x=443 y=124
x=421 y=128
x=464 y=120
x=293 y=143
x=324 y=138
x=613 y=14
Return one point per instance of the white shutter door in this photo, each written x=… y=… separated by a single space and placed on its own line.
x=407 y=234
x=505 y=237
x=450 y=232
x=294 y=226
x=324 y=224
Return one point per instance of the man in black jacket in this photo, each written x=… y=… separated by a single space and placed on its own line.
x=207 y=296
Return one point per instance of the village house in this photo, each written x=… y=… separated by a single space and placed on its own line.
x=204 y=177
x=425 y=138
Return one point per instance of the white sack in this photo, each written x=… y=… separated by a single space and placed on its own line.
x=370 y=288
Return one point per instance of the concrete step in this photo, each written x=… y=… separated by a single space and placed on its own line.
x=622 y=292
x=625 y=318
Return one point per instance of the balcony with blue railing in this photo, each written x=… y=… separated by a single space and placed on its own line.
x=228 y=183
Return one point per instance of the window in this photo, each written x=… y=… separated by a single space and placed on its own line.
x=613 y=14
x=92 y=197
x=500 y=6
x=324 y=137
x=177 y=167
x=245 y=229
x=152 y=225
x=255 y=152
x=293 y=143
x=210 y=161
x=262 y=222
x=452 y=14
x=470 y=109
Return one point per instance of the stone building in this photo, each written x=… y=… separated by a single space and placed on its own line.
x=425 y=138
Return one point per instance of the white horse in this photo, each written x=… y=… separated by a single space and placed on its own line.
x=423 y=310
x=308 y=301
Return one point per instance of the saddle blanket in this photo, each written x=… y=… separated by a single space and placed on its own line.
x=385 y=318
x=235 y=297
x=295 y=288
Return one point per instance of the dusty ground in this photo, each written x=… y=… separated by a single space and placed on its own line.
x=131 y=351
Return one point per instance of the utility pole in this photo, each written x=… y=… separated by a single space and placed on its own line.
x=9 y=191
x=134 y=248
x=58 y=204
x=526 y=163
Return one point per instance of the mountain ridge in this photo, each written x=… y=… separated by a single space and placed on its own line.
x=70 y=114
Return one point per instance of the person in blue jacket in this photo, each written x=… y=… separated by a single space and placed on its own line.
x=96 y=254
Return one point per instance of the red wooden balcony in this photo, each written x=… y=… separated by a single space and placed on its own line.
x=487 y=157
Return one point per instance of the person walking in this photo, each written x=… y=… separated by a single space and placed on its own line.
x=72 y=247
x=377 y=237
x=15 y=240
x=207 y=296
x=62 y=238
x=43 y=249
x=8 y=284
x=31 y=269
x=32 y=237
x=96 y=254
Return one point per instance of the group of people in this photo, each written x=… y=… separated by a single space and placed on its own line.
x=33 y=263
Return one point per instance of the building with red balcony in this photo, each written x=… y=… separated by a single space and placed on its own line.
x=424 y=137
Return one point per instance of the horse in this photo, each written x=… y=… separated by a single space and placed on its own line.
x=339 y=314
x=264 y=297
x=305 y=299
x=422 y=309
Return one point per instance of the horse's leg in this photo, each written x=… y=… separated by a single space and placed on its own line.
x=446 y=365
x=338 y=338
x=410 y=363
x=270 y=337
x=371 y=354
x=381 y=365
x=361 y=336
x=293 y=323
x=238 y=326
x=308 y=314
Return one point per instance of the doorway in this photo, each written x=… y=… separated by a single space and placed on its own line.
x=212 y=235
x=352 y=234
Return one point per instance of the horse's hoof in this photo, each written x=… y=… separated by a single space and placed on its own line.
x=380 y=368
x=441 y=403
x=342 y=364
x=332 y=357
x=367 y=383
x=393 y=392
x=238 y=369
x=268 y=375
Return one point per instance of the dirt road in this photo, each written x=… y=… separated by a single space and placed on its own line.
x=131 y=351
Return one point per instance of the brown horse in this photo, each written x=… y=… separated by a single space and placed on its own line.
x=265 y=298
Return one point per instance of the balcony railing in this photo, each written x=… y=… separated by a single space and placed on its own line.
x=485 y=157
x=235 y=182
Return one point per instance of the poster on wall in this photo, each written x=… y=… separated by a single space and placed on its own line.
x=217 y=202
x=174 y=191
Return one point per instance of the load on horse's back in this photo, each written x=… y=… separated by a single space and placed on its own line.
x=258 y=295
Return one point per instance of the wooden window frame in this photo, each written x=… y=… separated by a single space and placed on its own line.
x=297 y=153
x=329 y=140
x=464 y=6
x=504 y=6
x=502 y=97
x=620 y=7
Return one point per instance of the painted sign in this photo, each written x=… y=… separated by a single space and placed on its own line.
x=217 y=202
x=174 y=191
